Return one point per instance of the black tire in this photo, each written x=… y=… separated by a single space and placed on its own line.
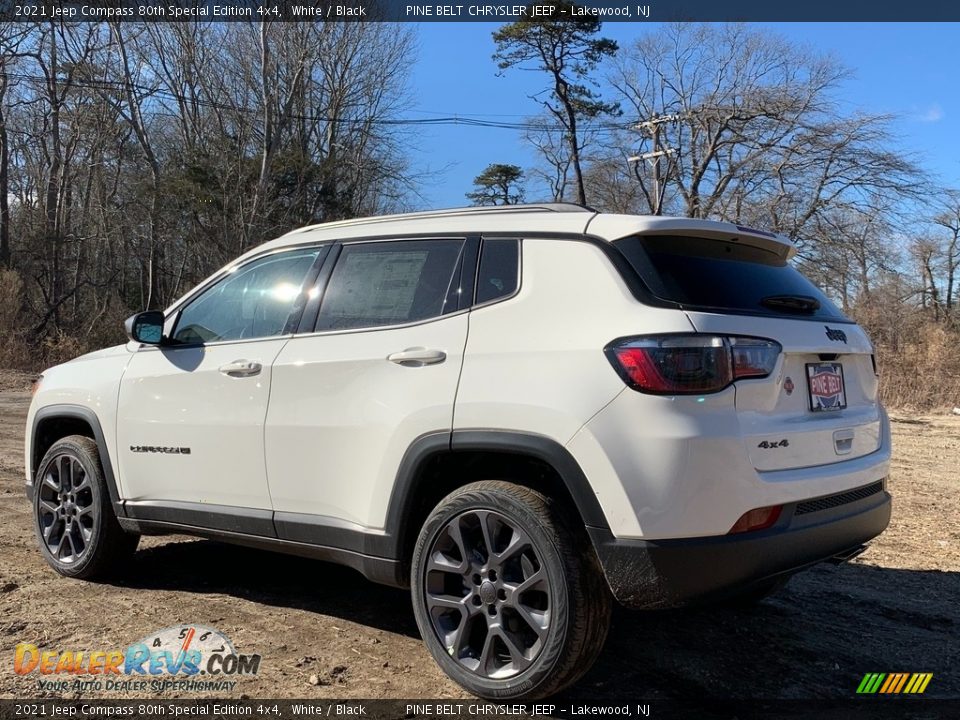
x=75 y=524
x=757 y=592
x=530 y=617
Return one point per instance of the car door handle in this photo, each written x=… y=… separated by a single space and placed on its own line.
x=241 y=368
x=417 y=357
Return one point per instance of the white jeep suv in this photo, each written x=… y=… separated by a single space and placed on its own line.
x=520 y=413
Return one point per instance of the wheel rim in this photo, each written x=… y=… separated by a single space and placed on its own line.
x=487 y=594
x=66 y=510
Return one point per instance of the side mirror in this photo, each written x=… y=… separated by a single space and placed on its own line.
x=145 y=327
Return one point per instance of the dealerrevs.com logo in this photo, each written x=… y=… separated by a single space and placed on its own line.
x=182 y=657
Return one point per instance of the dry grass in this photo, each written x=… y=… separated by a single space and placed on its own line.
x=922 y=373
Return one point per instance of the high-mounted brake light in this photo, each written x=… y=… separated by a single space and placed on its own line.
x=687 y=364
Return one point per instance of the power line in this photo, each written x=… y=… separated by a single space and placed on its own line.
x=443 y=120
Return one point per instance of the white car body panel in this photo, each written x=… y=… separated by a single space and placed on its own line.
x=767 y=413
x=686 y=473
x=529 y=374
x=177 y=397
x=91 y=381
x=342 y=416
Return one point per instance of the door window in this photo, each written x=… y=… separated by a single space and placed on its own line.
x=254 y=301
x=391 y=283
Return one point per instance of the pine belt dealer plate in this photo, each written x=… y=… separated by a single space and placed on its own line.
x=825 y=382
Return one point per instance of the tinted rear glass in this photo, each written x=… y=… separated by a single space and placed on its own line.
x=721 y=276
x=499 y=262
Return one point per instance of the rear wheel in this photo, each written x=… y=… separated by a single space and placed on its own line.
x=76 y=527
x=508 y=593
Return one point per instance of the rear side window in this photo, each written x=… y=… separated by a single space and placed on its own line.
x=391 y=283
x=498 y=275
x=723 y=276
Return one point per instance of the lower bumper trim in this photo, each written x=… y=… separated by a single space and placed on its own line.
x=671 y=573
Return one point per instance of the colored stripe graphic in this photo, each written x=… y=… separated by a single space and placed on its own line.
x=892 y=679
x=894 y=683
x=870 y=683
x=903 y=680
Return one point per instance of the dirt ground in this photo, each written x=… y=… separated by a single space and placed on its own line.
x=325 y=632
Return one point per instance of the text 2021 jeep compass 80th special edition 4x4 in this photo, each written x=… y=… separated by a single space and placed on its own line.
x=521 y=414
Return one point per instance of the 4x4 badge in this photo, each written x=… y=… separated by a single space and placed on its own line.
x=838 y=335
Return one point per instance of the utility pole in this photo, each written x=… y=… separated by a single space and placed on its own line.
x=652 y=128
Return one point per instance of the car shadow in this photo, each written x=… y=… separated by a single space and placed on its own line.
x=207 y=566
x=816 y=638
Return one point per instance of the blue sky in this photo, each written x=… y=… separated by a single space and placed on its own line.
x=909 y=69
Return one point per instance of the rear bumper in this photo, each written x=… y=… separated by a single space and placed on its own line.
x=669 y=573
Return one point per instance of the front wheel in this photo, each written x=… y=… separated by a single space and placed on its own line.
x=77 y=530
x=508 y=593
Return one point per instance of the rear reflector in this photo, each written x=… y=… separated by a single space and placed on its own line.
x=686 y=364
x=758 y=519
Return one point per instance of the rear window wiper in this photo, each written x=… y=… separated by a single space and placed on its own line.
x=800 y=304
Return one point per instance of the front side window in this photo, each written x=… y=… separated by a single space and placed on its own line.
x=391 y=283
x=252 y=301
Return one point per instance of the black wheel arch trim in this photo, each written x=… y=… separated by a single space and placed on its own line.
x=410 y=474
x=546 y=450
x=75 y=412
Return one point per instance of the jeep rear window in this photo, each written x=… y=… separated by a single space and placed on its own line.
x=714 y=275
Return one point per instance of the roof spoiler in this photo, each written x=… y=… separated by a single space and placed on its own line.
x=780 y=245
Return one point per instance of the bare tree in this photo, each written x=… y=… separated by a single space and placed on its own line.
x=756 y=130
x=554 y=167
x=949 y=219
x=136 y=159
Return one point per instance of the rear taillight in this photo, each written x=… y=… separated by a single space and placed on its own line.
x=690 y=364
x=758 y=519
x=36 y=385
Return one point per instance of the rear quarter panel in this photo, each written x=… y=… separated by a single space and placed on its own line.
x=535 y=363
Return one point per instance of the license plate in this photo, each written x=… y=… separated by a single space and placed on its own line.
x=825 y=382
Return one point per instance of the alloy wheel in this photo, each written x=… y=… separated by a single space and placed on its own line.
x=487 y=594
x=66 y=509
